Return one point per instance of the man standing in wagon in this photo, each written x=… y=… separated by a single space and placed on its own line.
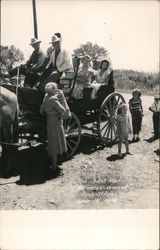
x=61 y=61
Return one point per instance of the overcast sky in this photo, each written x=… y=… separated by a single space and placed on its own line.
x=129 y=30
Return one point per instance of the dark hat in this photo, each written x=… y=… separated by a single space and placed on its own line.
x=58 y=34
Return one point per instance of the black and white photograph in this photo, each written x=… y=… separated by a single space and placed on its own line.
x=79 y=124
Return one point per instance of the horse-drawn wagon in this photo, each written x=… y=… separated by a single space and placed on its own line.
x=85 y=112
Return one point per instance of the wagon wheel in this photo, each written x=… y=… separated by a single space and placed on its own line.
x=72 y=129
x=107 y=124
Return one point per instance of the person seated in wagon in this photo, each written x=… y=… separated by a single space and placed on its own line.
x=32 y=68
x=103 y=77
x=84 y=77
x=47 y=71
x=60 y=60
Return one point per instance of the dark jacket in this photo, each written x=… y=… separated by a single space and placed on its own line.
x=36 y=60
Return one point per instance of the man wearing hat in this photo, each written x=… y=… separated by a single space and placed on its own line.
x=34 y=64
x=60 y=62
x=47 y=71
x=32 y=68
x=155 y=108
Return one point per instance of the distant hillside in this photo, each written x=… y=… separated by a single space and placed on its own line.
x=130 y=79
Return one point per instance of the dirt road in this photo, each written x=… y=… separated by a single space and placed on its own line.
x=96 y=178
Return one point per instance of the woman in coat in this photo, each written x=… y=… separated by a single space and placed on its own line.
x=56 y=108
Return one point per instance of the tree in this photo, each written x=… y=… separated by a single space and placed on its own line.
x=93 y=50
x=9 y=56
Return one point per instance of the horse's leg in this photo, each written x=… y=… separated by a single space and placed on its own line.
x=4 y=155
x=7 y=150
x=15 y=128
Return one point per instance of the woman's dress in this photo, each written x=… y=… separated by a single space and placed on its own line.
x=55 y=130
x=103 y=77
x=83 y=80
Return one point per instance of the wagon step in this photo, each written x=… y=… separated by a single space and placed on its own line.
x=18 y=144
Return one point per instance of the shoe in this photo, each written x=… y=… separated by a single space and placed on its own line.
x=155 y=136
x=137 y=139
x=133 y=139
x=128 y=152
x=58 y=170
x=119 y=154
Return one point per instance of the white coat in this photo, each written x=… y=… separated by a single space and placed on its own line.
x=63 y=62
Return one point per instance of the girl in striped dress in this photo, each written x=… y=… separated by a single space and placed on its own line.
x=136 y=110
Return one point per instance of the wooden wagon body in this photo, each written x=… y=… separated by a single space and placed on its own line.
x=97 y=116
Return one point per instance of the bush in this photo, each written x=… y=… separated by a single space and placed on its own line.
x=129 y=79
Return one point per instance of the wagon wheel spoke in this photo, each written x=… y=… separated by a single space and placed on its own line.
x=68 y=122
x=104 y=114
x=106 y=131
x=72 y=126
x=115 y=104
x=118 y=101
x=72 y=129
x=69 y=146
x=107 y=124
x=110 y=106
x=74 y=142
x=104 y=126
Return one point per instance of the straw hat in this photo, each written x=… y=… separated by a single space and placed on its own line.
x=34 y=41
x=55 y=39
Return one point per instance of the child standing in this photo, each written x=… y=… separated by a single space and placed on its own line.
x=136 y=110
x=123 y=128
x=155 y=108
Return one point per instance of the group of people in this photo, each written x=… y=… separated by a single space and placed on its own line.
x=45 y=72
x=136 y=110
x=56 y=108
x=90 y=78
x=41 y=68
